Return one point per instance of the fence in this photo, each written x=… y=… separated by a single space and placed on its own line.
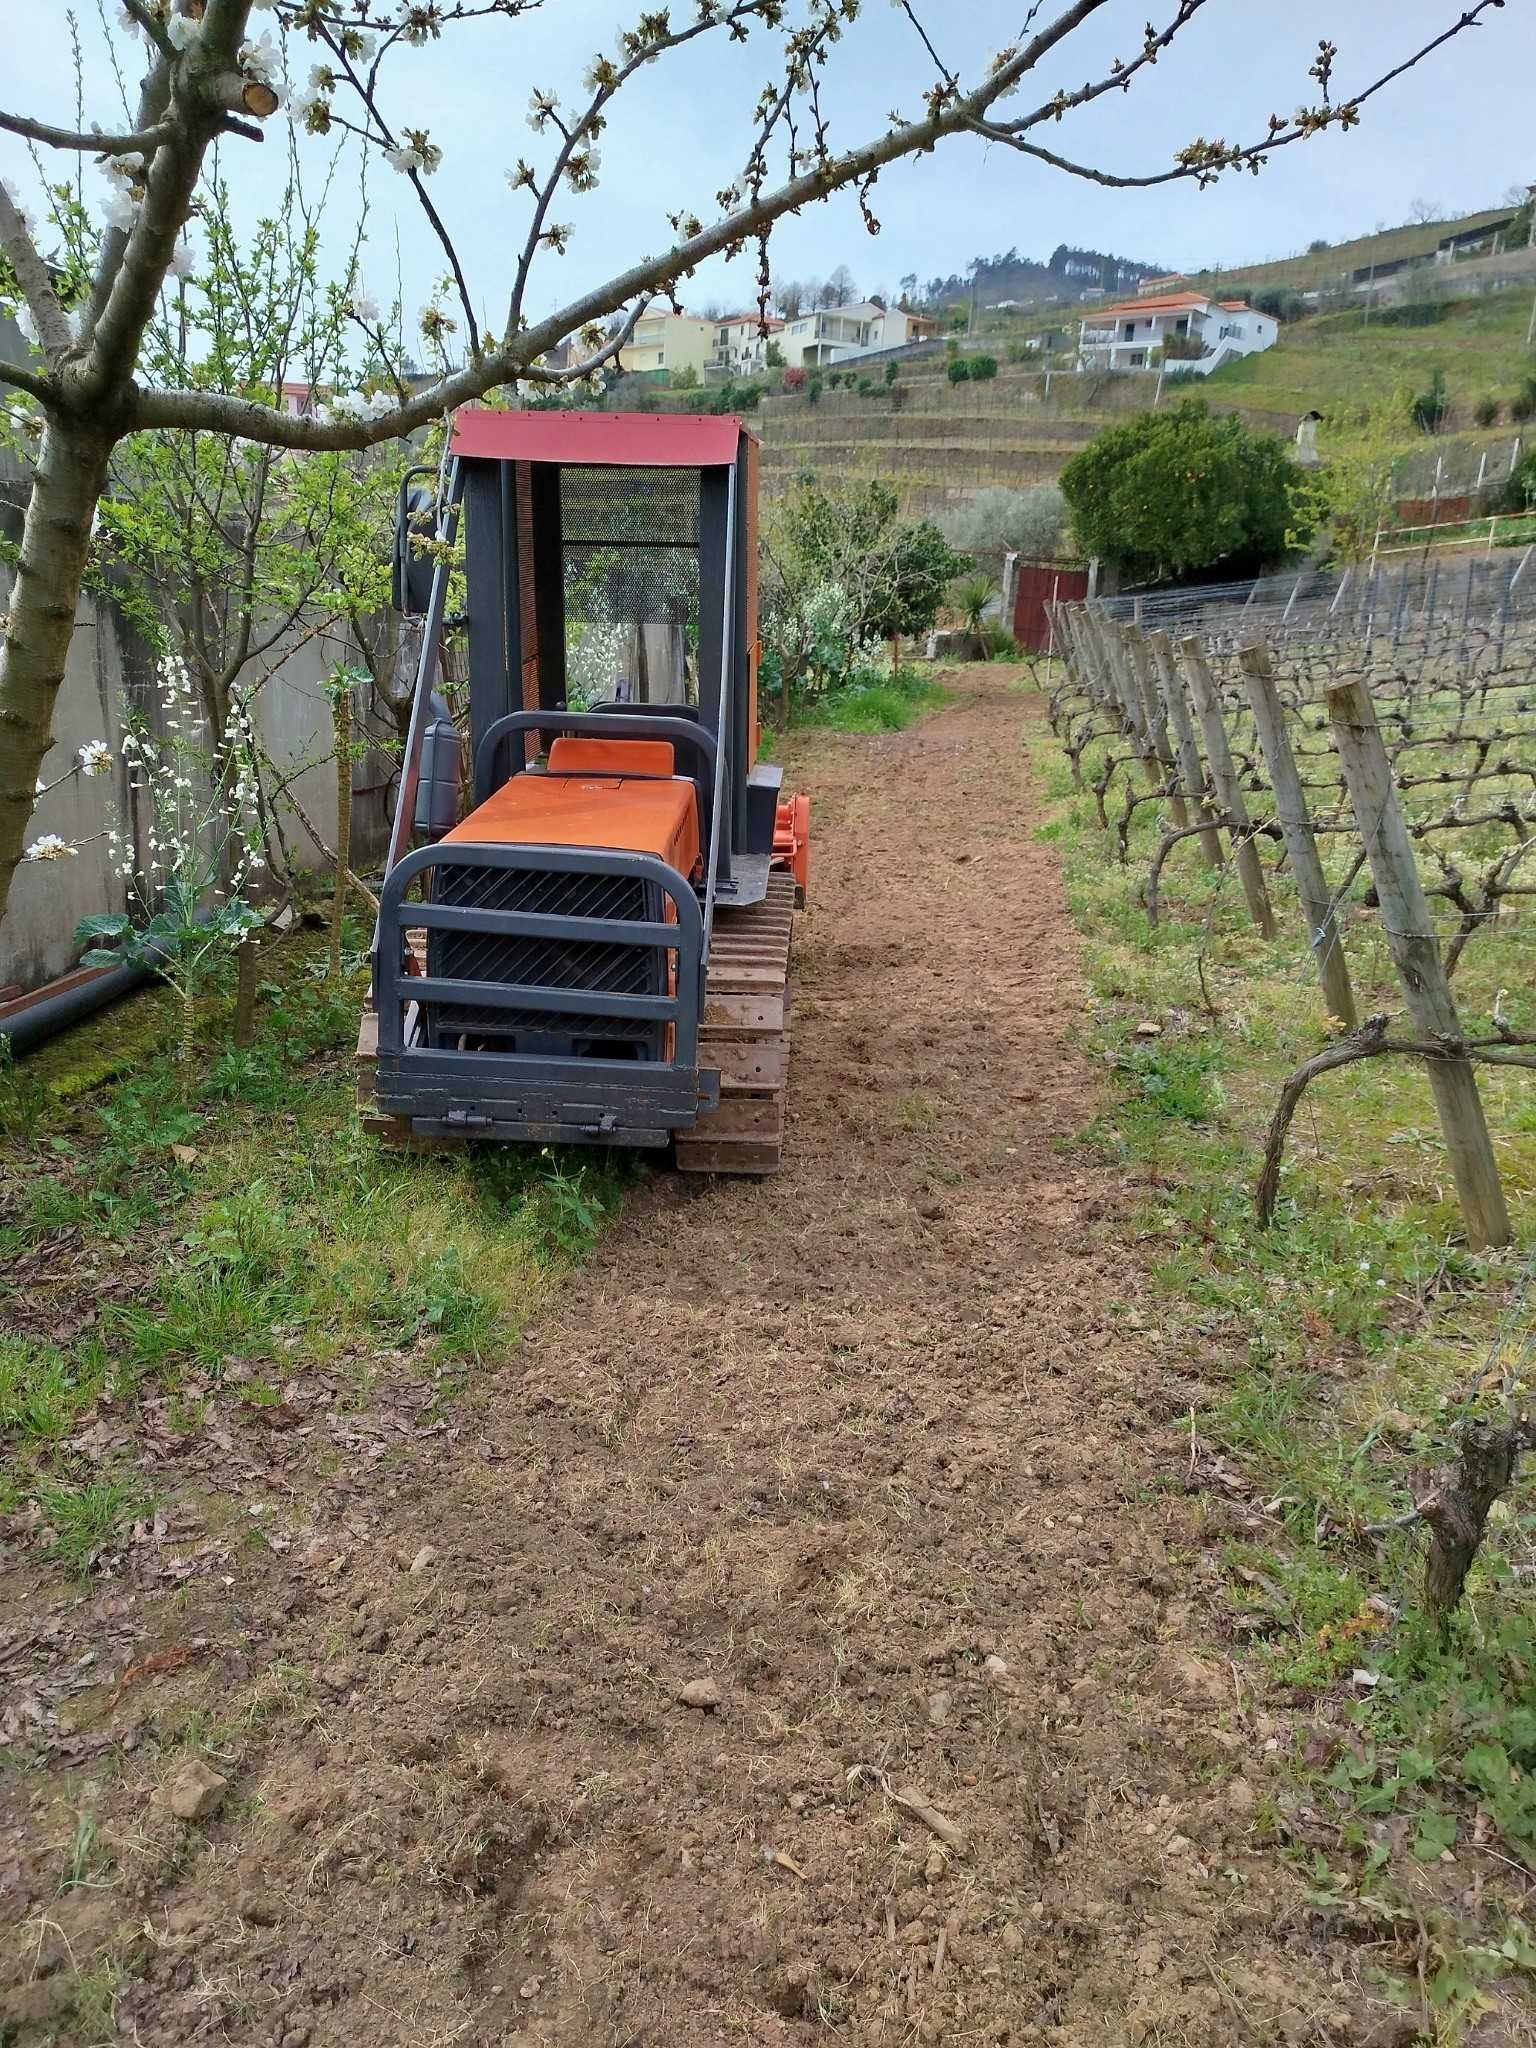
x=1377 y=733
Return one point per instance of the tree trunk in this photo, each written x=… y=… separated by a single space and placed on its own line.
x=246 y=967
x=1458 y=1513
x=71 y=470
x=342 y=714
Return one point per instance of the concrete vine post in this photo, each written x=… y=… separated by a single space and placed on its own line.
x=1415 y=953
x=1229 y=793
x=1295 y=822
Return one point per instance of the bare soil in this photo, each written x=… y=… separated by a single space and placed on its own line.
x=812 y=1629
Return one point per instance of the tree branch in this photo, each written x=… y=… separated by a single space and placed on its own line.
x=29 y=381
x=49 y=317
x=141 y=142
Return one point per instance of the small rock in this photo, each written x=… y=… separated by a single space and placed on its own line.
x=996 y=1667
x=423 y=1561
x=193 y=1791
x=1147 y=1028
x=259 y=1909
x=1013 y=1939
x=931 y=1212
x=338 y=1677
x=529 y=1988
x=936 y=1865
x=938 y=1709
x=702 y=1693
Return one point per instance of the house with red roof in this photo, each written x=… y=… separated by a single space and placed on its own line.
x=1161 y=329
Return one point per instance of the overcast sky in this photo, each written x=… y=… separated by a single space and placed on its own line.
x=1457 y=132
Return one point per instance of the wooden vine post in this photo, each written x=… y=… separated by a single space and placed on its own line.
x=1229 y=794
x=341 y=710
x=1186 y=746
x=1134 y=640
x=1416 y=955
x=1295 y=822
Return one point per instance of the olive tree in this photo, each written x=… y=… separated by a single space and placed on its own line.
x=214 y=74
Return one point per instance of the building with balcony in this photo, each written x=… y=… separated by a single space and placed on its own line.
x=1186 y=328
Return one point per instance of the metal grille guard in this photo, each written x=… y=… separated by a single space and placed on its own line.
x=504 y=1094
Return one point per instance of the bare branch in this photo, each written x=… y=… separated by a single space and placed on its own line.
x=141 y=142
x=29 y=381
x=49 y=317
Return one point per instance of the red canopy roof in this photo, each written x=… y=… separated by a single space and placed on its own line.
x=639 y=440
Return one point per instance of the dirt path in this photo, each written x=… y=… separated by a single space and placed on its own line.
x=881 y=1452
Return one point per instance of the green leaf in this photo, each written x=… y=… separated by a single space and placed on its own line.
x=103 y=924
x=1436 y=1833
x=100 y=956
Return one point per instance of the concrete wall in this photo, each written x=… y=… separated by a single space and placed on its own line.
x=110 y=669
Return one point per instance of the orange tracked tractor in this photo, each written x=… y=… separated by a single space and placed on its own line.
x=590 y=943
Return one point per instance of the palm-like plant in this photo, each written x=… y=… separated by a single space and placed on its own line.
x=972 y=595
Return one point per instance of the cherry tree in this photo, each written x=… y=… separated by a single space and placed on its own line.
x=90 y=283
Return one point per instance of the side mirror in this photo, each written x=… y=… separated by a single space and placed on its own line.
x=415 y=518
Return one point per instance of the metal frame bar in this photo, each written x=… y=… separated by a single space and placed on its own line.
x=394 y=988
x=431 y=641
x=603 y=725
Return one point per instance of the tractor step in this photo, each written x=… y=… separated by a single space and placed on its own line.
x=744 y=1034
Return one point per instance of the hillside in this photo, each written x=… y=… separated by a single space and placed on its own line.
x=938 y=442
x=1328 y=263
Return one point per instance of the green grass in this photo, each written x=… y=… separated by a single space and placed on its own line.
x=1338 y=1347
x=1344 y=359
x=267 y=1234
x=883 y=704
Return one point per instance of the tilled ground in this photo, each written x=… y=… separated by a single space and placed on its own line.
x=878 y=1464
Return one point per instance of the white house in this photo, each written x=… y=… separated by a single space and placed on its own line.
x=834 y=334
x=1188 y=328
x=741 y=346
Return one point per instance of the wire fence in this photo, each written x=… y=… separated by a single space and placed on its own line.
x=1365 y=743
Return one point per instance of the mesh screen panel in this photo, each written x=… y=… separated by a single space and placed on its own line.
x=630 y=545
x=543 y=962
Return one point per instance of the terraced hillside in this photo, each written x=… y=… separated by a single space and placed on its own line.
x=938 y=442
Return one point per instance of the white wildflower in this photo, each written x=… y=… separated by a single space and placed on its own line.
x=14 y=197
x=361 y=45
x=126 y=22
x=540 y=106
x=365 y=308
x=42 y=787
x=95 y=758
x=180 y=31
x=182 y=260
x=26 y=325
x=51 y=847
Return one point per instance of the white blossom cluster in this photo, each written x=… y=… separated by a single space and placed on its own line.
x=417 y=152
x=355 y=405
x=192 y=838
x=51 y=847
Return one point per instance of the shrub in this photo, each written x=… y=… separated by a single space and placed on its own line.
x=1432 y=405
x=1522 y=406
x=686 y=379
x=1486 y=411
x=866 y=385
x=794 y=380
x=971 y=595
x=813 y=390
x=890 y=371
x=1178 y=489
x=959 y=370
x=983 y=369
x=1000 y=519
x=773 y=356
x=1519 y=492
